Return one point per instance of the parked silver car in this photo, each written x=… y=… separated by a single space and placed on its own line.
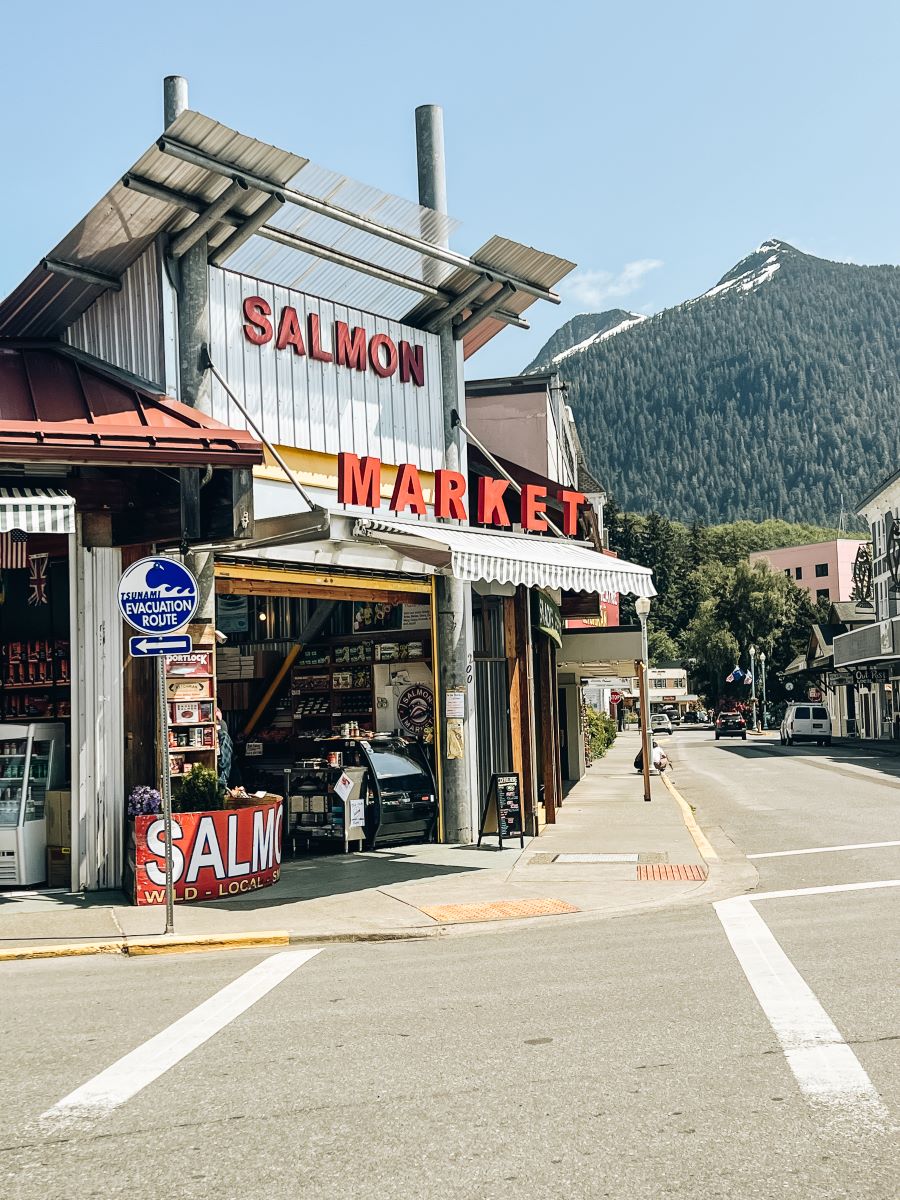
x=660 y=723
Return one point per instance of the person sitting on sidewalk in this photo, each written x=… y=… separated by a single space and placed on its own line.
x=658 y=758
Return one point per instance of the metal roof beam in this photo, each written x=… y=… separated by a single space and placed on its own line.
x=510 y=318
x=488 y=309
x=458 y=304
x=246 y=229
x=426 y=249
x=74 y=271
x=286 y=237
x=167 y=195
x=209 y=217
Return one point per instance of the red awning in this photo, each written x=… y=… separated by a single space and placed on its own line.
x=55 y=408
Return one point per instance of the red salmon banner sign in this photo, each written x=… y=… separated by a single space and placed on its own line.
x=214 y=854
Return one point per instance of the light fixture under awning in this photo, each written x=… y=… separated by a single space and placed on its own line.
x=478 y=554
x=36 y=510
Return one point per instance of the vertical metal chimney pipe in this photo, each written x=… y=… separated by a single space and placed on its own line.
x=175 y=98
x=454 y=596
x=193 y=335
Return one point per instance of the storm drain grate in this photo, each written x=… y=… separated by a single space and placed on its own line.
x=498 y=910
x=671 y=872
x=596 y=858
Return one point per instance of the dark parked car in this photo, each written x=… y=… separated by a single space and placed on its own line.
x=731 y=724
x=691 y=717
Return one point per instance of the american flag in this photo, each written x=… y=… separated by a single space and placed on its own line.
x=14 y=550
x=37 y=579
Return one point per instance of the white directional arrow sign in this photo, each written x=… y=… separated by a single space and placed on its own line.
x=148 y=647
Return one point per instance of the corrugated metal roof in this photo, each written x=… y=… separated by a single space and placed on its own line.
x=262 y=258
x=56 y=408
x=513 y=258
x=119 y=228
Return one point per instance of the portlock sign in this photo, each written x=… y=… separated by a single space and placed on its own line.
x=157 y=595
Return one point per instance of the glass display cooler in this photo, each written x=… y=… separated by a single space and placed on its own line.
x=32 y=762
x=392 y=778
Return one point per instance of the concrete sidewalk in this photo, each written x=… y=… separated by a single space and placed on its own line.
x=426 y=891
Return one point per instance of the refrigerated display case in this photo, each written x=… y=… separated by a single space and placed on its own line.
x=402 y=806
x=391 y=775
x=32 y=762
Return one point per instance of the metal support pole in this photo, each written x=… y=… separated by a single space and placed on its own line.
x=166 y=789
x=753 y=687
x=645 y=708
x=453 y=595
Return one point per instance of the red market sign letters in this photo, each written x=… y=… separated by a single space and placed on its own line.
x=347 y=347
x=214 y=854
x=359 y=484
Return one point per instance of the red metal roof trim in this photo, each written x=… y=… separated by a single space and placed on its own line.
x=55 y=409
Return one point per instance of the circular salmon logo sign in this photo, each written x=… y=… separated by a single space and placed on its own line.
x=415 y=708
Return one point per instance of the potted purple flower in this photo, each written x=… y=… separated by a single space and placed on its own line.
x=143 y=800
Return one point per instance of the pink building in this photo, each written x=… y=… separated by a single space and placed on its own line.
x=825 y=569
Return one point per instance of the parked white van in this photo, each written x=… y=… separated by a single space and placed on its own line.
x=806 y=723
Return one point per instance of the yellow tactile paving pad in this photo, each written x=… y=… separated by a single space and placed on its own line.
x=672 y=872
x=497 y=910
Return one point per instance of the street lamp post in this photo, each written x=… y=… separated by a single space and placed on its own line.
x=752 y=687
x=642 y=608
x=762 y=680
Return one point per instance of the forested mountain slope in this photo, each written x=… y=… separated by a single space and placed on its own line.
x=771 y=395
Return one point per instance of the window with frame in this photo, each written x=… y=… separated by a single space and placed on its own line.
x=821 y=570
x=798 y=572
x=823 y=594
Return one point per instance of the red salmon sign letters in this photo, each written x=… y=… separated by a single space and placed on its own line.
x=359 y=484
x=214 y=854
x=347 y=348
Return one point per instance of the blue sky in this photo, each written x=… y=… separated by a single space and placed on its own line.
x=655 y=144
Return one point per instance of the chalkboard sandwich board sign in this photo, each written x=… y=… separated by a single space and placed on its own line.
x=502 y=812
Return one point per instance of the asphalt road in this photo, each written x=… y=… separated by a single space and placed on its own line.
x=623 y=1058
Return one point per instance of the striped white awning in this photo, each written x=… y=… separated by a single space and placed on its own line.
x=481 y=555
x=36 y=510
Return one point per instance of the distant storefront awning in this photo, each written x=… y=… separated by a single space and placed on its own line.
x=481 y=555
x=58 y=408
x=36 y=510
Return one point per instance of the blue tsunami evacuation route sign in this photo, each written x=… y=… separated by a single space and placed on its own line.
x=157 y=595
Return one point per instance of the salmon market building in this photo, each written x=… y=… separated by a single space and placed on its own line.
x=252 y=364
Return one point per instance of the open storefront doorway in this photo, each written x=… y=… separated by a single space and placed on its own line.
x=35 y=701
x=321 y=677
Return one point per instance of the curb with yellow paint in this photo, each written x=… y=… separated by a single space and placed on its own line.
x=133 y=947
x=707 y=853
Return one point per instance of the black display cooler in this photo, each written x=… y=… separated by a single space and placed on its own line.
x=399 y=789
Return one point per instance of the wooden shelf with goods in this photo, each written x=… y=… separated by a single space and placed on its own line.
x=191 y=702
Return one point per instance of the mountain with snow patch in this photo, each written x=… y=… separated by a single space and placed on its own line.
x=772 y=394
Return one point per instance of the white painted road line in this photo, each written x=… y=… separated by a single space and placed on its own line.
x=142 y=1066
x=824 y=849
x=824 y=1066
